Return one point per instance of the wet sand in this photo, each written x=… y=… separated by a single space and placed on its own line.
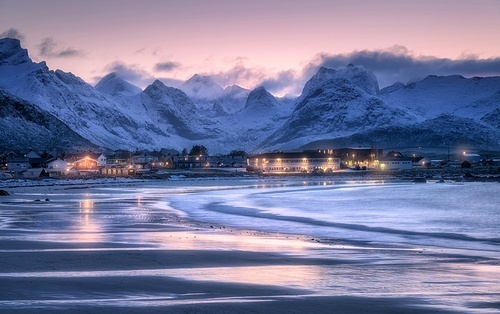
x=115 y=248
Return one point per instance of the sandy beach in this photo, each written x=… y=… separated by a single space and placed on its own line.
x=119 y=247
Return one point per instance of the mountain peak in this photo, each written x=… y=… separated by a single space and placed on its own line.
x=12 y=53
x=355 y=75
x=200 y=78
x=158 y=83
x=260 y=98
x=202 y=87
x=112 y=84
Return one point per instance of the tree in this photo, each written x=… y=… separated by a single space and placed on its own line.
x=198 y=150
x=237 y=153
x=184 y=152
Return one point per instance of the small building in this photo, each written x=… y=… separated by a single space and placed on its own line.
x=419 y=161
x=472 y=158
x=144 y=157
x=84 y=162
x=57 y=168
x=118 y=159
x=391 y=163
x=118 y=171
x=34 y=173
x=395 y=161
x=101 y=161
x=228 y=161
x=465 y=164
x=191 y=161
x=16 y=163
x=294 y=162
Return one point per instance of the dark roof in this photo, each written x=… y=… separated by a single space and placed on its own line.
x=304 y=154
x=79 y=156
x=392 y=158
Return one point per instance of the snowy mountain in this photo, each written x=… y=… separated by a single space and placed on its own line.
x=206 y=94
x=25 y=125
x=336 y=104
x=442 y=131
x=113 y=85
x=233 y=99
x=436 y=95
x=107 y=121
x=201 y=87
x=245 y=128
x=172 y=109
x=343 y=107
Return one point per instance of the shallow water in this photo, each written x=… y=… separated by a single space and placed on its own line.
x=165 y=246
x=449 y=215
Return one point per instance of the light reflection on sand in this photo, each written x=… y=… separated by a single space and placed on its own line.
x=182 y=240
x=132 y=228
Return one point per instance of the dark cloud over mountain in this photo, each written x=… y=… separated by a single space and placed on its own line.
x=166 y=66
x=398 y=64
x=12 y=33
x=51 y=48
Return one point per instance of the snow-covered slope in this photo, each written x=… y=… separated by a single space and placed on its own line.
x=107 y=121
x=171 y=108
x=443 y=131
x=436 y=95
x=209 y=96
x=246 y=128
x=24 y=125
x=233 y=99
x=113 y=85
x=336 y=104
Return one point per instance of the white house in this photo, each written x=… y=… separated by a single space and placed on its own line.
x=471 y=157
x=57 y=167
x=101 y=161
x=395 y=163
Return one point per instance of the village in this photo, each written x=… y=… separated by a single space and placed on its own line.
x=125 y=163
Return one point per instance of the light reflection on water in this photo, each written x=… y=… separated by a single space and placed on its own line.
x=89 y=229
x=113 y=218
x=181 y=240
x=446 y=215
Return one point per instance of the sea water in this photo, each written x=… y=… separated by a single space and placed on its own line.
x=432 y=245
x=460 y=216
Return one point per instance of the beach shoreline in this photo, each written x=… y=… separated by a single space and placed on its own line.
x=99 y=246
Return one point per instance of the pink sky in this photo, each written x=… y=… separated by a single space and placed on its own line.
x=279 y=42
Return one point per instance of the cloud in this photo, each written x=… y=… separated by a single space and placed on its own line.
x=166 y=66
x=278 y=83
x=129 y=72
x=398 y=64
x=50 y=48
x=282 y=83
x=12 y=33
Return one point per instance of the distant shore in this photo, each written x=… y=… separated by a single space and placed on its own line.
x=491 y=174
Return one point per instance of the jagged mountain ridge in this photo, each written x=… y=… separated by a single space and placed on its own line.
x=453 y=94
x=335 y=104
x=107 y=121
x=25 y=125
